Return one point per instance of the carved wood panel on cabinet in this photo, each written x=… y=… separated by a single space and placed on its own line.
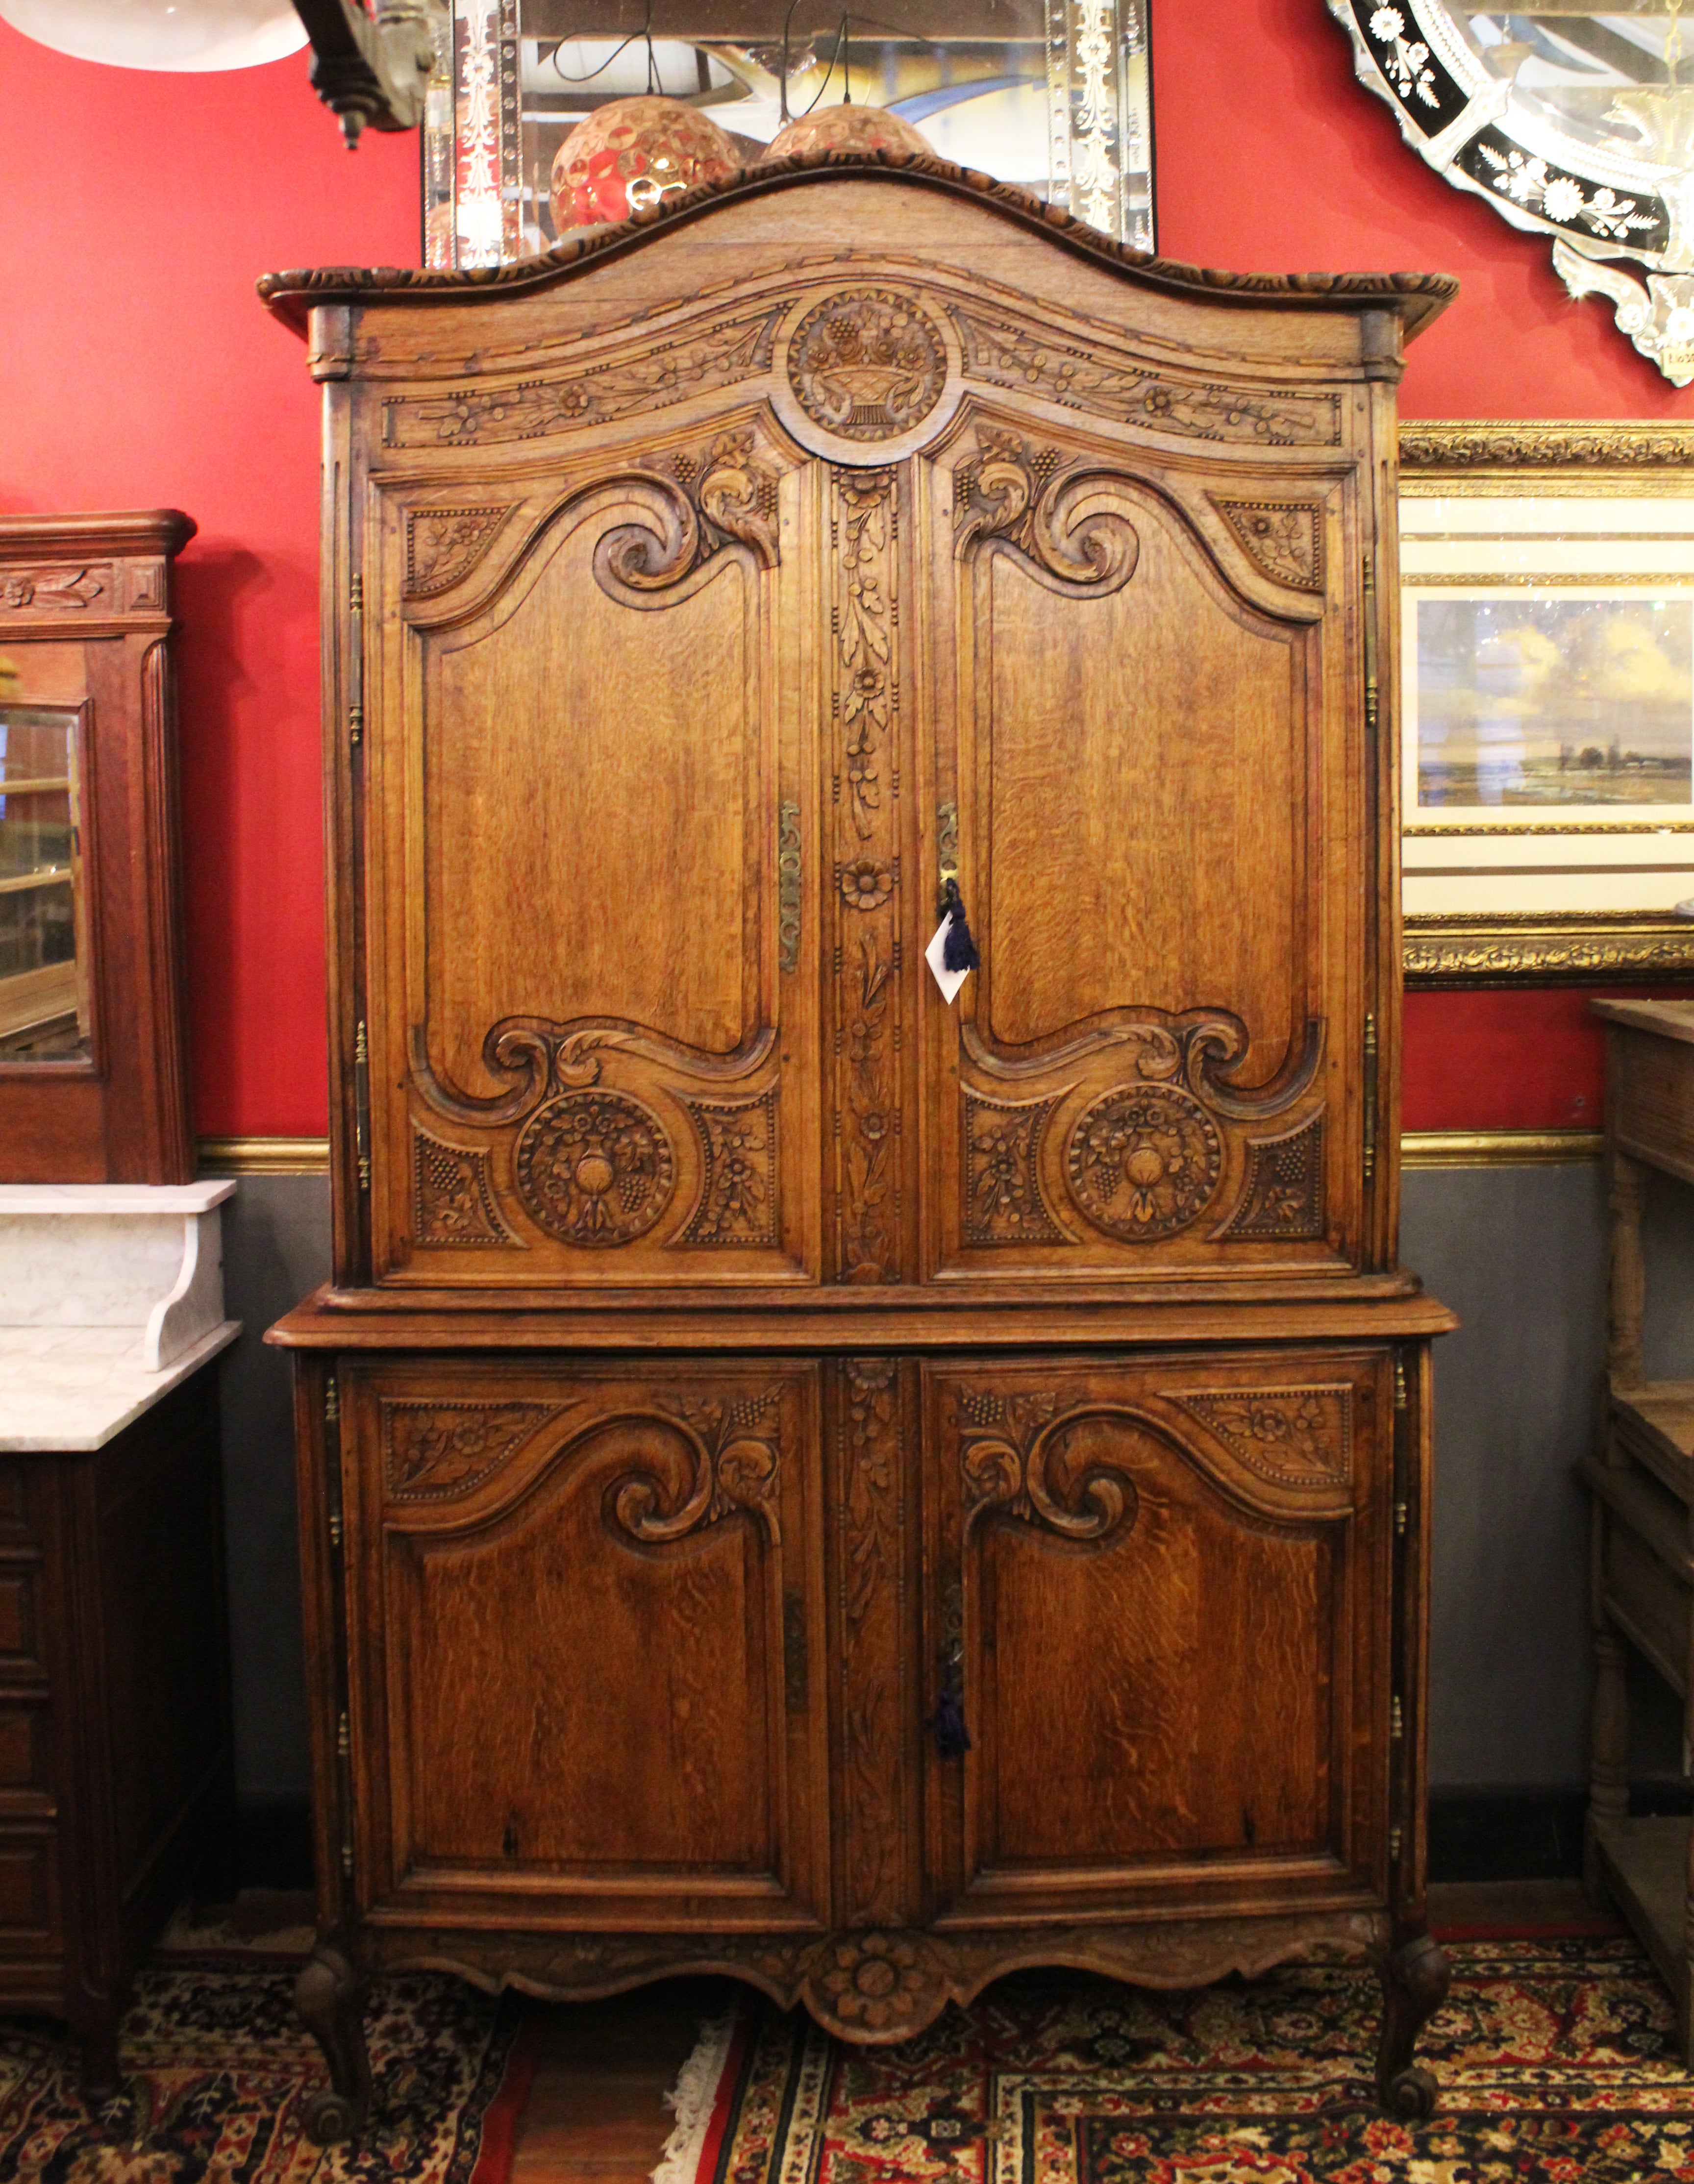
x=1160 y=1588
x=586 y=1608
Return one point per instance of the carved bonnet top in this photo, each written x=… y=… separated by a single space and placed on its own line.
x=1416 y=297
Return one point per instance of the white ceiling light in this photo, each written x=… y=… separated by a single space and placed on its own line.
x=162 y=34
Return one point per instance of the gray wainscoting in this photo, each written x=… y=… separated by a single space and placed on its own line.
x=1517 y=1251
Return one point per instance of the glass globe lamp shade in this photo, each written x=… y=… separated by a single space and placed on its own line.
x=847 y=129
x=162 y=34
x=631 y=152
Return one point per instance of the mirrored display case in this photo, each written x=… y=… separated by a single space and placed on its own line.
x=93 y=1079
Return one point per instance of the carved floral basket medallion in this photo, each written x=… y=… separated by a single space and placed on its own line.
x=1143 y=1161
x=867 y=365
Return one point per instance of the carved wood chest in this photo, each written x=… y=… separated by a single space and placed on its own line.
x=743 y=1367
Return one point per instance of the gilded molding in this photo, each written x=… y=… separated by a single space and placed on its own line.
x=1427 y=1149
x=1461 y=949
x=264 y=1155
x=1588 y=457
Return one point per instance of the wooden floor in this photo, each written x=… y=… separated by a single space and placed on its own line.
x=597 y=2115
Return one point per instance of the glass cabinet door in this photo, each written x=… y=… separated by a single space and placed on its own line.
x=44 y=969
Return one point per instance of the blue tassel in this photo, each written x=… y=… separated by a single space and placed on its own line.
x=947 y=1724
x=958 y=950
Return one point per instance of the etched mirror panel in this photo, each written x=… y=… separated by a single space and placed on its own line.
x=45 y=1013
x=1052 y=95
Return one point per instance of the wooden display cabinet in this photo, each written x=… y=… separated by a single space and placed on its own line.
x=93 y=1082
x=738 y=1361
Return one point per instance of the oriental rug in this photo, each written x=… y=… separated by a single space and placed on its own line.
x=1556 y=2060
x=217 y=2071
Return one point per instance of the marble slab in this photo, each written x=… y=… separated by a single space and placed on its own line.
x=73 y=1388
x=145 y=1258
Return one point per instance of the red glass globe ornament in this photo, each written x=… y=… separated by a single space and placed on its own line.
x=630 y=154
x=847 y=129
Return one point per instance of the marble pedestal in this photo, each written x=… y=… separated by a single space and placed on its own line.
x=116 y=1763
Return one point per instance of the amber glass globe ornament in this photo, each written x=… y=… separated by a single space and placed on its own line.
x=846 y=128
x=632 y=154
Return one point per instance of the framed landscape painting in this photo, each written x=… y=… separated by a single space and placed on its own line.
x=1548 y=702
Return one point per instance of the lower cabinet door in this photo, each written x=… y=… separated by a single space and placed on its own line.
x=585 y=1643
x=1160 y=1589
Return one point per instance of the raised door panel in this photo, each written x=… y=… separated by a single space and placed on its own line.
x=585 y=1613
x=1159 y=1591
x=1144 y=782
x=592 y=1029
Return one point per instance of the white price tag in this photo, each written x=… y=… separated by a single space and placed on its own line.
x=949 y=981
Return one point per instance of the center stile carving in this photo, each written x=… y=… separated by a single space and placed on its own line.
x=874 y=1698
x=865 y=621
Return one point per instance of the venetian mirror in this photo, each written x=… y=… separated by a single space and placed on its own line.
x=1053 y=95
x=1572 y=120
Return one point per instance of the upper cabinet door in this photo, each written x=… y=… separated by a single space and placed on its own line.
x=592 y=1026
x=1148 y=775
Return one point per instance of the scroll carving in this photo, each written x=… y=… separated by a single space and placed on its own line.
x=1197 y=1049
x=734 y=1451
x=1003 y=1201
x=1283 y=1197
x=654 y=378
x=1005 y=353
x=1008 y=1457
x=733 y=493
x=452 y=1200
x=443 y=545
x=54 y=587
x=864 y=536
x=549 y=1059
x=434 y=1450
x=874 y=1665
x=1050 y=512
x=1284 y=539
x=595 y=1169
x=1143 y=1161
x=1291 y=1436
x=867 y=365
x=738 y=1162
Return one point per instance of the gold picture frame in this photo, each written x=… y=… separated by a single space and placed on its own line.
x=1547 y=578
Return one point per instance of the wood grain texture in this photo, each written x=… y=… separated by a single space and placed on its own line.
x=742 y=1364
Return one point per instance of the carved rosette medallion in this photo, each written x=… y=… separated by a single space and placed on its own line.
x=886 y=1985
x=874 y=1657
x=1003 y=1201
x=867 y=365
x=1283 y=1197
x=1283 y=538
x=738 y=1162
x=453 y=1201
x=865 y=743
x=1291 y=1436
x=595 y=1169
x=445 y=544
x=1143 y=1161
x=434 y=1450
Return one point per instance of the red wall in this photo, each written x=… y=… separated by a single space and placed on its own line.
x=140 y=372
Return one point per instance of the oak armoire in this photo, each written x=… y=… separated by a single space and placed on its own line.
x=743 y=1367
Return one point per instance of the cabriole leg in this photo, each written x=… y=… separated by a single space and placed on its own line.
x=1414 y=1984
x=330 y=1996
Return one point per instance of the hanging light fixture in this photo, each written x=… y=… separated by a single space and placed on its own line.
x=162 y=34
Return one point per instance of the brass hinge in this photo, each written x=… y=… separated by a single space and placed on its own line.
x=331 y=1401
x=1369 y=1097
x=1400 y=1384
x=1370 y=641
x=1395 y=1839
x=1396 y=1720
x=1400 y=1520
x=347 y=1856
x=361 y=1104
x=335 y=1531
x=355 y=662
x=788 y=888
x=344 y=1742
